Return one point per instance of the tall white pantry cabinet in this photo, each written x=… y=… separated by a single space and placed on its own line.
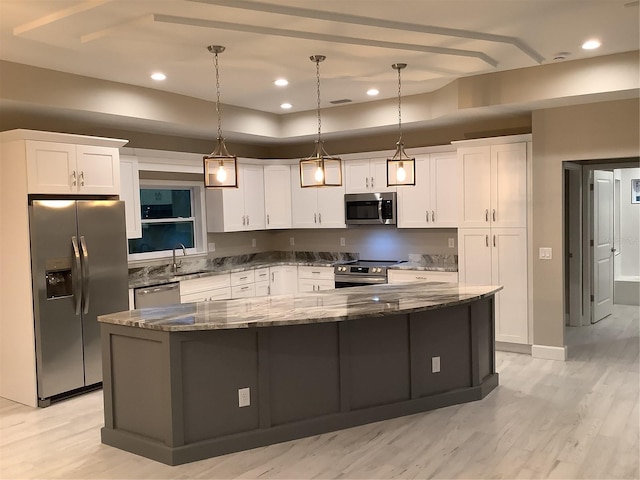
x=493 y=229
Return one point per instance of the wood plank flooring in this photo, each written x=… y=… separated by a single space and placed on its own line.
x=547 y=419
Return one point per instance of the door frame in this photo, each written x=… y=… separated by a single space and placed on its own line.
x=586 y=267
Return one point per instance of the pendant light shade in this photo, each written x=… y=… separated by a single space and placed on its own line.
x=220 y=167
x=320 y=169
x=401 y=169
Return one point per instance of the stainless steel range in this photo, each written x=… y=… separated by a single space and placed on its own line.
x=362 y=272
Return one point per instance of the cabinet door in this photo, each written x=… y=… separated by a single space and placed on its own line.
x=509 y=185
x=304 y=202
x=357 y=178
x=413 y=208
x=331 y=207
x=284 y=279
x=474 y=256
x=130 y=194
x=475 y=200
x=378 y=176
x=277 y=196
x=253 y=191
x=234 y=219
x=444 y=192
x=509 y=269
x=51 y=167
x=262 y=289
x=98 y=170
x=325 y=285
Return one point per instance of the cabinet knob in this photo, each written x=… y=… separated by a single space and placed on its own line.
x=426 y=215
x=486 y=215
x=82 y=179
x=320 y=218
x=315 y=218
x=494 y=240
x=493 y=214
x=372 y=182
x=433 y=215
x=486 y=240
x=267 y=219
x=366 y=182
x=247 y=219
x=73 y=179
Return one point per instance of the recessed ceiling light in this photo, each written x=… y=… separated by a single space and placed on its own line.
x=158 y=76
x=372 y=92
x=590 y=44
x=286 y=106
x=281 y=82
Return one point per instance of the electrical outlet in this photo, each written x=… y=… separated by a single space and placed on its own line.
x=212 y=247
x=244 y=397
x=452 y=243
x=343 y=242
x=253 y=242
x=292 y=242
x=435 y=364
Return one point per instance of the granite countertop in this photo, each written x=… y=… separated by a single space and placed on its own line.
x=431 y=263
x=204 y=267
x=302 y=308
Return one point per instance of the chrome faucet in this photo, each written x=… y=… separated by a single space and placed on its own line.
x=175 y=265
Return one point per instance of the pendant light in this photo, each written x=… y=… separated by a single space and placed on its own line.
x=401 y=170
x=320 y=170
x=220 y=168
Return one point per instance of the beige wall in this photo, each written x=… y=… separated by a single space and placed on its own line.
x=583 y=132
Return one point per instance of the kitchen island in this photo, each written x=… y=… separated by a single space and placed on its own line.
x=192 y=381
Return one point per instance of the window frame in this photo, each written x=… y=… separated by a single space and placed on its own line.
x=197 y=210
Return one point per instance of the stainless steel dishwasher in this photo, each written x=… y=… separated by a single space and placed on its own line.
x=157 y=295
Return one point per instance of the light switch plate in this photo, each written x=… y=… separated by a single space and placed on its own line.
x=435 y=364
x=212 y=247
x=292 y=242
x=343 y=242
x=452 y=243
x=253 y=242
x=244 y=397
x=545 y=253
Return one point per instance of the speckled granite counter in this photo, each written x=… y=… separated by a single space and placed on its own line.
x=192 y=381
x=202 y=267
x=325 y=306
x=429 y=263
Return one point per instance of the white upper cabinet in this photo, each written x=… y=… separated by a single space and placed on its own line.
x=238 y=209
x=366 y=176
x=316 y=207
x=63 y=168
x=130 y=194
x=494 y=185
x=277 y=196
x=433 y=200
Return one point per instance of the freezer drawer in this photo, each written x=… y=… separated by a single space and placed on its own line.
x=157 y=296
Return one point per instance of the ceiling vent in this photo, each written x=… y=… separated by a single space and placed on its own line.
x=343 y=100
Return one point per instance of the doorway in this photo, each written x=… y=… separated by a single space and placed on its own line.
x=599 y=242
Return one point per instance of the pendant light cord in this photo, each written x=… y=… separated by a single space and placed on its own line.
x=399 y=105
x=318 y=87
x=218 y=96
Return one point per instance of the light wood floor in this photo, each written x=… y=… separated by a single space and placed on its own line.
x=547 y=419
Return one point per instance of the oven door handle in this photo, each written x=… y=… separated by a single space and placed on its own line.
x=369 y=280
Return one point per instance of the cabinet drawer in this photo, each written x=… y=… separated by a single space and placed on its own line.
x=243 y=291
x=202 y=284
x=325 y=273
x=217 y=294
x=400 y=276
x=261 y=274
x=242 y=278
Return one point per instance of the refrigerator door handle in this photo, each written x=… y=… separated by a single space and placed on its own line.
x=85 y=275
x=77 y=292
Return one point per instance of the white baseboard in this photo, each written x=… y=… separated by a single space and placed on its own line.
x=550 y=353
x=513 y=347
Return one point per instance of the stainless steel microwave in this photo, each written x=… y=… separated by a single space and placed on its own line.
x=370 y=208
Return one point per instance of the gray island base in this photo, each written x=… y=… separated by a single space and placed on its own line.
x=306 y=364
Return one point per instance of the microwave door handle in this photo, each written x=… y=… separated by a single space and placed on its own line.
x=380 y=211
x=85 y=274
x=75 y=271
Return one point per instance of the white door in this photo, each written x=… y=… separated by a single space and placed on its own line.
x=98 y=170
x=413 y=200
x=509 y=269
x=445 y=196
x=253 y=197
x=357 y=176
x=277 y=196
x=51 y=167
x=475 y=172
x=602 y=244
x=509 y=185
x=474 y=256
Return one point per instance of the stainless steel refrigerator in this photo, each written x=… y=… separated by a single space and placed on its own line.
x=79 y=271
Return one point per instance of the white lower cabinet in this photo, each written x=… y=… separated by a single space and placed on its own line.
x=313 y=279
x=213 y=287
x=403 y=276
x=284 y=279
x=498 y=256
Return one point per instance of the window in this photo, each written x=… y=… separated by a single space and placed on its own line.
x=171 y=215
